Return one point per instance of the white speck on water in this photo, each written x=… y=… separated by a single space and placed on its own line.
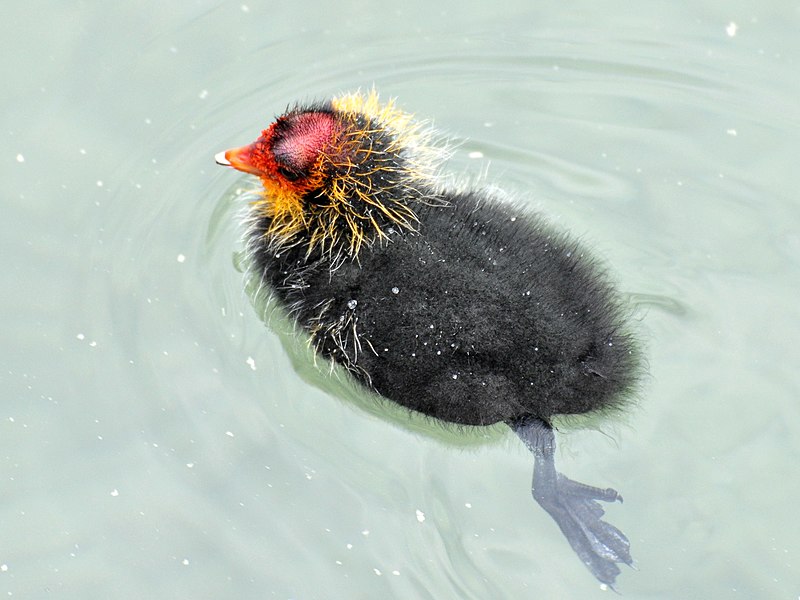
x=82 y=151
x=365 y=533
x=349 y=546
x=148 y=121
x=475 y=154
x=4 y=567
x=513 y=219
x=468 y=504
x=455 y=375
x=395 y=290
x=185 y=561
x=731 y=132
x=80 y=336
x=203 y=94
x=251 y=362
x=190 y=465
x=351 y=304
x=115 y=492
x=395 y=572
x=99 y=183
x=420 y=516
x=438 y=352
x=181 y=258
x=731 y=29
x=377 y=571
x=229 y=434
x=20 y=158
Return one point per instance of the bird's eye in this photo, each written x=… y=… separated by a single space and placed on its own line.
x=288 y=174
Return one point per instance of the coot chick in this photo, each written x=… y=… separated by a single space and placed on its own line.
x=453 y=303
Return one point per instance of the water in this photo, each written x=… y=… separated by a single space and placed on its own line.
x=156 y=440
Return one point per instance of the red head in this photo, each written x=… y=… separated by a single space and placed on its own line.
x=338 y=175
x=289 y=153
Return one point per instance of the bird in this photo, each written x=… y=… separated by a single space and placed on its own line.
x=450 y=300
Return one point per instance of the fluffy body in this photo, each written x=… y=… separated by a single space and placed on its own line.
x=481 y=314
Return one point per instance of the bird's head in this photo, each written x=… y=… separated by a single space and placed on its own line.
x=340 y=174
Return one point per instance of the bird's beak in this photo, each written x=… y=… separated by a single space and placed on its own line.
x=239 y=159
x=222 y=159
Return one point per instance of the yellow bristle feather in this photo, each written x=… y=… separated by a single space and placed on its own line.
x=334 y=227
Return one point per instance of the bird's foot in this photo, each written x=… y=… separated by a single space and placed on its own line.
x=574 y=506
x=576 y=509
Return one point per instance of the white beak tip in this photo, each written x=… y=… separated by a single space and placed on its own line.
x=221 y=160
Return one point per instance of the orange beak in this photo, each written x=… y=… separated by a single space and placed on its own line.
x=239 y=159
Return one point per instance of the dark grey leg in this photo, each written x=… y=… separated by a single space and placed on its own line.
x=574 y=505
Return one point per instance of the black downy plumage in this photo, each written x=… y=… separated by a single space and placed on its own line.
x=454 y=304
